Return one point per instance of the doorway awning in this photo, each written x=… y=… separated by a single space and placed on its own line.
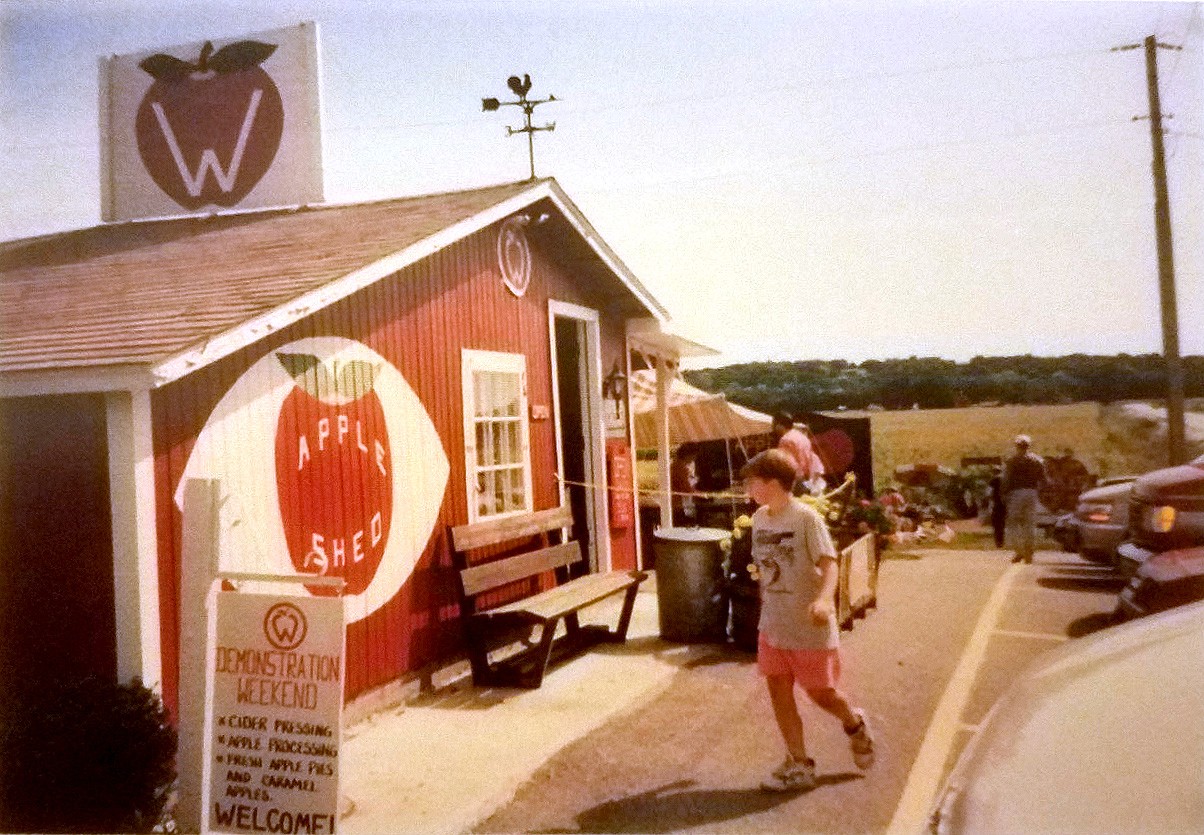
x=655 y=339
x=694 y=414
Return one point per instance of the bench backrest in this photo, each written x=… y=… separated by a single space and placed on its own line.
x=486 y=576
x=495 y=531
x=491 y=575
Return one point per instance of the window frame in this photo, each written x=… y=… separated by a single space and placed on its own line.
x=497 y=362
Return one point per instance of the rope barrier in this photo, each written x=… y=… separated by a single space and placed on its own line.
x=850 y=479
x=698 y=494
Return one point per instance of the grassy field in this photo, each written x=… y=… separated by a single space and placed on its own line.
x=1109 y=440
x=945 y=436
x=1106 y=438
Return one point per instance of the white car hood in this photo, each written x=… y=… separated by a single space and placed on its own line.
x=1106 y=735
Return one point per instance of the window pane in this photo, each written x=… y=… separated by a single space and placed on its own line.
x=517 y=497
x=486 y=445
x=500 y=488
x=506 y=395
x=492 y=391
x=497 y=393
x=487 y=504
x=482 y=393
x=514 y=397
x=514 y=441
x=504 y=453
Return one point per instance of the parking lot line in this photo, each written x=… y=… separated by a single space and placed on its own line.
x=1036 y=636
x=926 y=772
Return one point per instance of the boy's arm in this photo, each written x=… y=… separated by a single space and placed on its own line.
x=824 y=605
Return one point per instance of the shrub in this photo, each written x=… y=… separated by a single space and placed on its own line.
x=94 y=756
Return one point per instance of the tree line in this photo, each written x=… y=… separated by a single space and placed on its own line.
x=933 y=383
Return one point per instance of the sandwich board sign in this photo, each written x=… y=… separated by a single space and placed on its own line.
x=215 y=124
x=274 y=721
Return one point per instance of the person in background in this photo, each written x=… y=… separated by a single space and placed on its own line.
x=999 y=509
x=1023 y=475
x=794 y=441
x=799 y=639
x=683 y=481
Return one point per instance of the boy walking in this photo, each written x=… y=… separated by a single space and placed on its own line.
x=796 y=560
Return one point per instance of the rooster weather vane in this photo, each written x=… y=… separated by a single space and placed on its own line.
x=520 y=87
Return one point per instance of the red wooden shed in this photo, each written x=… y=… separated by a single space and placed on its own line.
x=356 y=377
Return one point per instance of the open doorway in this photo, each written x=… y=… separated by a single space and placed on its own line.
x=576 y=367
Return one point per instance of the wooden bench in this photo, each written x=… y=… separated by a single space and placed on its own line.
x=489 y=625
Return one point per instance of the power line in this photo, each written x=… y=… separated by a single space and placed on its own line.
x=745 y=93
x=814 y=162
x=645 y=104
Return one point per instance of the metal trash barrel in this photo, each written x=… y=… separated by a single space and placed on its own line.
x=691 y=595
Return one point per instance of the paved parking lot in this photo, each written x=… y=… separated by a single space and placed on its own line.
x=1032 y=609
x=660 y=737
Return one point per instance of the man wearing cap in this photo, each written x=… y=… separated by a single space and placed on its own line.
x=1023 y=475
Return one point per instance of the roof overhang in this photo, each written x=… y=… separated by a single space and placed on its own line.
x=654 y=339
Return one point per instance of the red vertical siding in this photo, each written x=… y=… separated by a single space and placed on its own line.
x=419 y=320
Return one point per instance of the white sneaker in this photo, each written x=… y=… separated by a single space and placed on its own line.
x=792 y=776
x=861 y=741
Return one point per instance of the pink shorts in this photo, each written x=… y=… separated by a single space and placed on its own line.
x=812 y=669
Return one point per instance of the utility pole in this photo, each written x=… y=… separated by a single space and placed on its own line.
x=520 y=87
x=1175 y=433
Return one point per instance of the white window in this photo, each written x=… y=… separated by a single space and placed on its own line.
x=497 y=454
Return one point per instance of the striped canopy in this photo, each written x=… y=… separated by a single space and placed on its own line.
x=694 y=414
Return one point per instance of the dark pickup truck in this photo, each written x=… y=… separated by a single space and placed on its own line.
x=1166 y=512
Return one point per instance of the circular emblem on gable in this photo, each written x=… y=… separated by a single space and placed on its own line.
x=514 y=256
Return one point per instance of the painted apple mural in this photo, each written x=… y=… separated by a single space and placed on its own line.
x=332 y=432
x=207 y=131
x=328 y=464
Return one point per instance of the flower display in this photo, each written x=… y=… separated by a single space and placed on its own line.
x=871 y=516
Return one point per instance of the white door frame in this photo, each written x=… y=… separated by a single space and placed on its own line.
x=592 y=424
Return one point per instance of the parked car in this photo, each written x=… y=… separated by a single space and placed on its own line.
x=1166 y=511
x=1101 y=521
x=1089 y=512
x=1164 y=581
x=1104 y=735
x=1066 y=532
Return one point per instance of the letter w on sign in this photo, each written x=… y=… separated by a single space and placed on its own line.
x=209 y=161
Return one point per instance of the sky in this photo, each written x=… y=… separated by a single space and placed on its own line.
x=792 y=181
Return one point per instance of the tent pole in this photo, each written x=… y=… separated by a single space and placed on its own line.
x=731 y=477
x=662 y=441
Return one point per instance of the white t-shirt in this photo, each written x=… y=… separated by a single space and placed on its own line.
x=787 y=548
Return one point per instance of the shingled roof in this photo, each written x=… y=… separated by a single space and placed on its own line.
x=163 y=297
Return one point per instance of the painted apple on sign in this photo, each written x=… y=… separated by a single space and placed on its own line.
x=207 y=131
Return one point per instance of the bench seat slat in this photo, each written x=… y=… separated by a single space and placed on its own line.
x=496 y=531
x=574 y=595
